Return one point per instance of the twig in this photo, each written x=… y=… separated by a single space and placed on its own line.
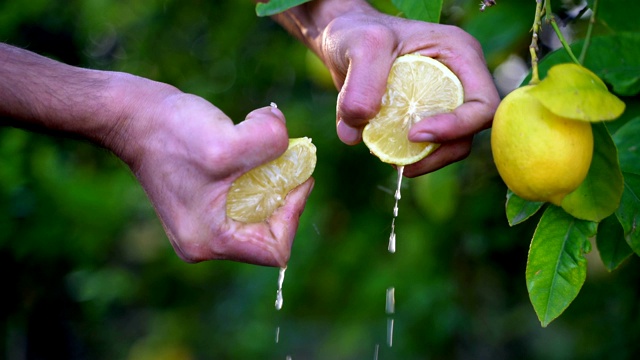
x=587 y=39
x=552 y=20
x=533 y=48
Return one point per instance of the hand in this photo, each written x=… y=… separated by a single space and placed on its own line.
x=359 y=49
x=184 y=151
x=186 y=155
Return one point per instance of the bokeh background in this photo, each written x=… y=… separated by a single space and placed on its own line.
x=87 y=272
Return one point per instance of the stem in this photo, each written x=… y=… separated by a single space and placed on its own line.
x=563 y=41
x=587 y=39
x=533 y=48
x=552 y=20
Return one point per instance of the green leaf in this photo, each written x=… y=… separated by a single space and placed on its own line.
x=423 y=10
x=599 y=194
x=625 y=82
x=618 y=15
x=614 y=58
x=611 y=244
x=556 y=267
x=277 y=6
x=515 y=25
x=574 y=92
x=518 y=209
x=629 y=211
x=627 y=140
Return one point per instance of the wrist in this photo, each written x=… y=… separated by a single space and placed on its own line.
x=308 y=21
x=133 y=104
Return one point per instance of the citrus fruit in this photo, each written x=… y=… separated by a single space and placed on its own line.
x=540 y=156
x=256 y=194
x=418 y=87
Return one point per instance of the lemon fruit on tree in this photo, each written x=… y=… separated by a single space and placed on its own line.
x=418 y=87
x=255 y=195
x=540 y=156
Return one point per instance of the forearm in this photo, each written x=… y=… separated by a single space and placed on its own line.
x=38 y=92
x=308 y=21
x=43 y=94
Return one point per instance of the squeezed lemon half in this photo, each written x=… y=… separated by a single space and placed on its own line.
x=255 y=195
x=418 y=87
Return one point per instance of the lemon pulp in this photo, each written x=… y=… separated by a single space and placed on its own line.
x=255 y=195
x=418 y=87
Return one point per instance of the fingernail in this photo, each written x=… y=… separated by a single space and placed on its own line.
x=275 y=111
x=347 y=134
x=422 y=137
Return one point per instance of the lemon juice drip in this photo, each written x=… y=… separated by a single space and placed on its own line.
x=397 y=196
x=390 y=309
x=279 y=299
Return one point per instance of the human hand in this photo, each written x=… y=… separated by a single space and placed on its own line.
x=186 y=153
x=359 y=48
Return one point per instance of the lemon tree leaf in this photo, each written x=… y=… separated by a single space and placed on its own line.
x=574 y=92
x=599 y=194
x=556 y=267
x=424 y=10
x=629 y=211
x=611 y=244
x=614 y=58
x=625 y=82
x=518 y=209
x=514 y=20
x=626 y=140
x=619 y=15
x=277 y=6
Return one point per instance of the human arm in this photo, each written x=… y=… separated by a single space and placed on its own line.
x=358 y=45
x=184 y=151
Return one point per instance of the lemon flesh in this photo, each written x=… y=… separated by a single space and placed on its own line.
x=539 y=155
x=255 y=195
x=418 y=87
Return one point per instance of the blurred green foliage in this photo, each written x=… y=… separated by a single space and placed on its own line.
x=89 y=273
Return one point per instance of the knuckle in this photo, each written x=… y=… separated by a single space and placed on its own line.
x=355 y=106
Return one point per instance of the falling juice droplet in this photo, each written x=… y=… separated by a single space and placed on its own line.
x=277 y=334
x=390 y=309
x=397 y=196
x=279 y=299
x=390 y=332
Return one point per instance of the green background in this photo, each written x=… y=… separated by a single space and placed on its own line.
x=89 y=274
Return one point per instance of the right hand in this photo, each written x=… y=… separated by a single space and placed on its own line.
x=187 y=155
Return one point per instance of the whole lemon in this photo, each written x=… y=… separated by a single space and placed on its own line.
x=539 y=155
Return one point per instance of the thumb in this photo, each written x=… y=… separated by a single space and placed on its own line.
x=260 y=138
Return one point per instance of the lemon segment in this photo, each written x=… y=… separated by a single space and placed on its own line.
x=255 y=195
x=418 y=87
x=539 y=155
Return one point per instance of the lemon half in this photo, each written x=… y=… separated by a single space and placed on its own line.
x=418 y=87
x=255 y=195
